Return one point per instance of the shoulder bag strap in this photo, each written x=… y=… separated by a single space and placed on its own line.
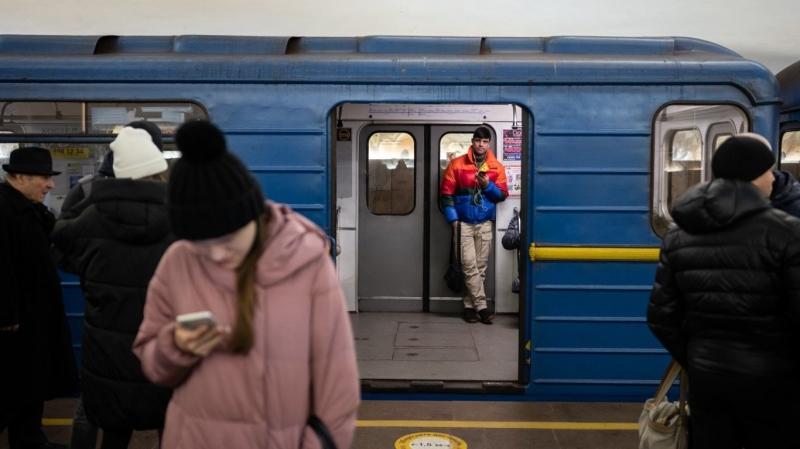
x=455 y=248
x=452 y=246
x=325 y=438
x=673 y=369
x=684 y=388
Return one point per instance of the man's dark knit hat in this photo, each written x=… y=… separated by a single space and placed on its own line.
x=744 y=157
x=210 y=192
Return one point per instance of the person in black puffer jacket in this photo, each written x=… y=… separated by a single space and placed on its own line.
x=785 y=193
x=726 y=302
x=114 y=241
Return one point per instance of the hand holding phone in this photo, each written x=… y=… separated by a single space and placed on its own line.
x=482 y=178
x=196 y=319
x=198 y=333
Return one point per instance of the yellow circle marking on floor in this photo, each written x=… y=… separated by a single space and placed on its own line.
x=436 y=440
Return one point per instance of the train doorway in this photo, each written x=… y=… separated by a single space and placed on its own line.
x=394 y=243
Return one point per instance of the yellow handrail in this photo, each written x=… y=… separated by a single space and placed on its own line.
x=577 y=253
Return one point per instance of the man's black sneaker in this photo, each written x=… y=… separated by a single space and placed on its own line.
x=470 y=315
x=486 y=316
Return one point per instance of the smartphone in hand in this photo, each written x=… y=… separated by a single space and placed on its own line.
x=196 y=319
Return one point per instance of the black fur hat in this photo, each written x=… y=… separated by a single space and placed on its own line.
x=210 y=192
x=744 y=157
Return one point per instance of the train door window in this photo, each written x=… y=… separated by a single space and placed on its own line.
x=78 y=134
x=790 y=153
x=390 y=173
x=451 y=146
x=682 y=158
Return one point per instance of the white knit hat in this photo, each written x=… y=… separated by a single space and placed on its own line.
x=135 y=155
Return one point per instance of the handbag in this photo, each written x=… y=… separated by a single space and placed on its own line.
x=454 y=277
x=664 y=424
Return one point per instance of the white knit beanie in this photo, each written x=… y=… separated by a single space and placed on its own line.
x=135 y=155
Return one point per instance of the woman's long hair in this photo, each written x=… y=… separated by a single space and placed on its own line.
x=243 y=332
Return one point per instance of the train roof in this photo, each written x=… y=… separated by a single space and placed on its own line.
x=381 y=59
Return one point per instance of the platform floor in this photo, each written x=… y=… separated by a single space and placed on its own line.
x=443 y=347
x=435 y=346
x=480 y=425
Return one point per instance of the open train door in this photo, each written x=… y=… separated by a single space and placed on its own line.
x=404 y=240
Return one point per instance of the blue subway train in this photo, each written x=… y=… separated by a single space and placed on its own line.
x=598 y=137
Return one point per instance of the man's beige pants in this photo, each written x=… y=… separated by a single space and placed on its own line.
x=476 y=244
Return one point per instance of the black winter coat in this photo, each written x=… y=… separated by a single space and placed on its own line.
x=114 y=243
x=786 y=193
x=37 y=362
x=511 y=241
x=726 y=297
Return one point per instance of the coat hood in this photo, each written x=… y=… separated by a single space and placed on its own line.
x=293 y=242
x=710 y=206
x=131 y=210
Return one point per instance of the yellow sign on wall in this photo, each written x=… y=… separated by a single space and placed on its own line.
x=433 y=440
x=70 y=152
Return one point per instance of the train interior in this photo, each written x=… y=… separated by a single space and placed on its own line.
x=393 y=242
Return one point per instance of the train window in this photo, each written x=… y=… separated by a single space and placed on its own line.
x=61 y=127
x=790 y=153
x=390 y=173
x=682 y=156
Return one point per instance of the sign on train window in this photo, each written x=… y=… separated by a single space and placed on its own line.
x=109 y=118
x=390 y=173
x=61 y=127
x=790 y=153
x=685 y=137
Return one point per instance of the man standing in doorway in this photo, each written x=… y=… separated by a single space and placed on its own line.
x=472 y=185
x=37 y=359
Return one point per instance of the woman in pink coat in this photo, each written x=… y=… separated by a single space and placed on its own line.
x=283 y=348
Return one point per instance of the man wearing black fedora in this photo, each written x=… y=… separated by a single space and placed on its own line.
x=37 y=359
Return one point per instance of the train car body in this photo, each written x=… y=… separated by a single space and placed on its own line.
x=599 y=135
